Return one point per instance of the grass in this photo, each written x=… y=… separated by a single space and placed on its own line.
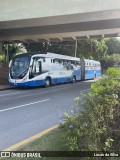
x=52 y=141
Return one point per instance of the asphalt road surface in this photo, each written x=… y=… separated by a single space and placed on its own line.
x=26 y=112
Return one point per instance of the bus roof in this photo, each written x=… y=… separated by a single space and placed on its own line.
x=91 y=61
x=54 y=55
x=50 y=55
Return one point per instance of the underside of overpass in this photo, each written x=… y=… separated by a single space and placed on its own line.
x=36 y=21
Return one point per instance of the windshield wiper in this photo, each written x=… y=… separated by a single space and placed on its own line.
x=23 y=72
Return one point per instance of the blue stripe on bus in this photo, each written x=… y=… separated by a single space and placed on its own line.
x=89 y=74
x=29 y=84
x=77 y=73
x=41 y=82
x=61 y=80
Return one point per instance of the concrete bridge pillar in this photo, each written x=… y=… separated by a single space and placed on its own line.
x=7 y=54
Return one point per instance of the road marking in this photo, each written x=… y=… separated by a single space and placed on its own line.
x=24 y=105
x=9 y=94
x=15 y=146
x=84 y=90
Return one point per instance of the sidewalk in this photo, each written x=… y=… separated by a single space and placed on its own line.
x=5 y=87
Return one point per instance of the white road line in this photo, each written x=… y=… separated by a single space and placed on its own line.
x=84 y=90
x=24 y=105
x=9 y=94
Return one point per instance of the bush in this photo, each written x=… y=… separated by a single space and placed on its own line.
x=2 y=58
x=110 y=61
x=94 y=125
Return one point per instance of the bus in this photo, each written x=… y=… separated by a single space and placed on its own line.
x=46 y=69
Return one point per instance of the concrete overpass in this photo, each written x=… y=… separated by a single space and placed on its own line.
x=53 y=20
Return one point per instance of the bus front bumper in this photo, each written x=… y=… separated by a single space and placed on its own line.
x=28 y=84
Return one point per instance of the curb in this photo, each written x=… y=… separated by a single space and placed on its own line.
x=30 y=139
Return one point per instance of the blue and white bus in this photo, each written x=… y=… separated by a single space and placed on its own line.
x=35 y=69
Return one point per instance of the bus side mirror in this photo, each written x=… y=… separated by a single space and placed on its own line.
x=10 y=63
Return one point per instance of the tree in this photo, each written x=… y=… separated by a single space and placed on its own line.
x=12 y=50
x=89 y=48
x=92 y=49
x=110 y=61
x=36 y=47
x=113 y=45
x=65 y=47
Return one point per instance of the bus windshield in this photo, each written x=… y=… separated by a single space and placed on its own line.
x=19 y=67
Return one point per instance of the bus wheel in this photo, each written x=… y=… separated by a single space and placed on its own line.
x=47 y=82
x=73 y=79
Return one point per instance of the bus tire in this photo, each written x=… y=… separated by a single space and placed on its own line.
x=47 y=82
x=74 y=79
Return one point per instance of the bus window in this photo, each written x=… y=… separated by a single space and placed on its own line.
x=78 y=63
x=60 y=61
x=43 y=59
x=56 y=61
x=36 y=67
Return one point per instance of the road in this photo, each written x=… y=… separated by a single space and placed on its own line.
x=26 y=112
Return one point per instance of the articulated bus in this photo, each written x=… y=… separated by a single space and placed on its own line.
x=35 y=69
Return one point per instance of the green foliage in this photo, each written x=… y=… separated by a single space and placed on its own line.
x=113 y=45
x=2 y=58
x=92 y=49
x=36 y=47
x=113 y=73
x=94 y=125
x=13 y=49
x=65 y=47
x=89 y=48
x=110 y=61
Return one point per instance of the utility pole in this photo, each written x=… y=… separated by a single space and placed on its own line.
x=76 y=44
